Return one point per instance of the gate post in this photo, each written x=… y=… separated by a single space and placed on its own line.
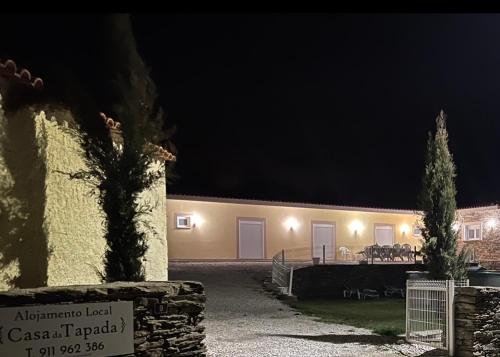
x=290 y=284
x=450 y=323
x=408 y=293
x=323 y=254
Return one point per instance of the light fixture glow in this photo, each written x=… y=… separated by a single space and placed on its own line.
x=405 y=229
x=455 y=226
x=491 y=223
x=292 y=224
x=356 y=227
x=197 y=220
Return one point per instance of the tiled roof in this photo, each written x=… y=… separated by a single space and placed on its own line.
x=310 y=205
x=115 y=128
x=290 y=204
x=482 y=207
x=8 y=69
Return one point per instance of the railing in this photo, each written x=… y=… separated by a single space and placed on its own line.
x=286 y=260
x=280 y=270
x=430 y=312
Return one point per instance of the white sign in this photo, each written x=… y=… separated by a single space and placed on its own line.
x=94 y=329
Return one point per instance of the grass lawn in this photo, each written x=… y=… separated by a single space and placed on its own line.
x=382 y=316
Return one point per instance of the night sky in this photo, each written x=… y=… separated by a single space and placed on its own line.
x=324 y=108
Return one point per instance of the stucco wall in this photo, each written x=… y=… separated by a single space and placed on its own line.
x=156 y=263
x=9 y=207
x=23 y=238
x=216 y=236
x=62 y=241
x=73 y=219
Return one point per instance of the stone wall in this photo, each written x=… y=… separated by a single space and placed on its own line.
x=328 y=281
x=477 y=321
x=176 y=332
x=487 y=250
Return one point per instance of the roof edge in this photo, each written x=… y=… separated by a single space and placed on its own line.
x=288 y=204
x=313 y=205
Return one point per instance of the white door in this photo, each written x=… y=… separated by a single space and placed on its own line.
x=251 y=239
x=323 y=235
x=384 y=235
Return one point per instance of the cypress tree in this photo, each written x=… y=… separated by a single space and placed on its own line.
x=438 y=203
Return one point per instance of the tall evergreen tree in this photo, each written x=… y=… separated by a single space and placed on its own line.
x=120 y=175
x=437 y=201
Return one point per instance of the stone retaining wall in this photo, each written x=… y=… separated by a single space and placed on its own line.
x=477 y=321
x=167 y=315
x=328 y=281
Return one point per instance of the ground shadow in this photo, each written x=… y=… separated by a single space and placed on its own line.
x=23 y=239
x=436 y=352
x=376 y=340
x=338 y=339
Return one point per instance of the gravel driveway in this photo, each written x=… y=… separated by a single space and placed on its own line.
x=243 y=320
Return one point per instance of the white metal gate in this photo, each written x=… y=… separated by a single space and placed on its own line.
x=430 y=312
x=282 y=275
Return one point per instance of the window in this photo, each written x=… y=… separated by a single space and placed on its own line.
x=384 y=234
x=473 y=231
x=183 y=221
x=417 y=231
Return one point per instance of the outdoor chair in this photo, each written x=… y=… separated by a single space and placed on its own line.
x=396 y=252
x=372 y=251
x=367 y=253
x=406 y=252
x=377 y=251
x=369 y=293
x=345 y=252
x=386 y=252
x=351 y=292
x=392 y=291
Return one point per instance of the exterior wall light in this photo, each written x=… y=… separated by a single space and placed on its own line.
x=455 y=226
x=405 y=229
x=491 y=223
x=197 y=220
x=292 y=224
x=356 y=227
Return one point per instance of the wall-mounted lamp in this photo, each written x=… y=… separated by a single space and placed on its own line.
x=491 y=223
x=196 y=220
x=405 y=229
x=455 y=226
x=356 y=227
x=292 y=224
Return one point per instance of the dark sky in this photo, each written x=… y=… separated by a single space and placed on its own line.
x=313 y=108
x=327 y=108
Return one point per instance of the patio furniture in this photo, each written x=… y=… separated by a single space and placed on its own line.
x=385 y=252
x=369 y=293
x=345 y=252
x=406 y=252
x=350 y=292
x=392 y=291
x=396 y=252
x=372 y=251
x=377 y=251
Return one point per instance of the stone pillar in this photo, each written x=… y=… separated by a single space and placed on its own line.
x=477 y=321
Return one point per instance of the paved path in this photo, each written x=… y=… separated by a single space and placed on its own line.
x=244 y=321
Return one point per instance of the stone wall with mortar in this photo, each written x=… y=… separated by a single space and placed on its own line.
x=477 y=321
x=176 y=332
x=486 y=250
